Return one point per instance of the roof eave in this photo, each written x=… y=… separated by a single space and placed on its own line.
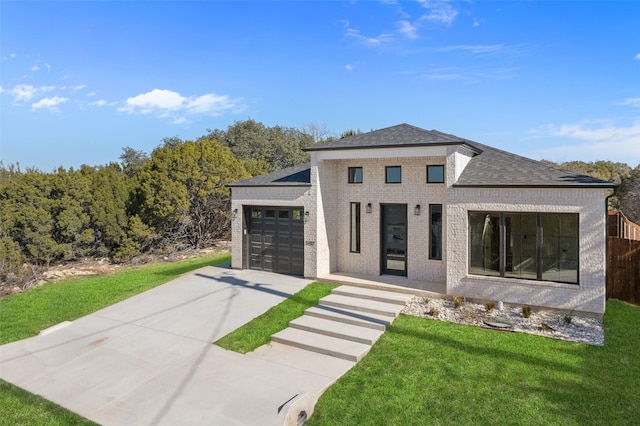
x=272 y=185
x=541 y=186
x=470 y=147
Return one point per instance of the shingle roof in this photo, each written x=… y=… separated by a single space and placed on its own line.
x=401 y=135
x=299 y=175
x=496 y=168
x=489 y=167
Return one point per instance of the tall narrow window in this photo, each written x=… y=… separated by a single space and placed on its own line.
x=355 y=174
x=393 y=174
x=435 y=231
x=355 y=228
x=534 y=246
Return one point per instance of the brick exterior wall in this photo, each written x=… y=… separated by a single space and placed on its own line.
x=588 y=296
x=298 y=196
x=413 y=190
x=327 y=228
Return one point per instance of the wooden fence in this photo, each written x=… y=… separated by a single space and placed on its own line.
x=623 y=270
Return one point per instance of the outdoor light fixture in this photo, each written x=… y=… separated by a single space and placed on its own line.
x=306 y=215
x=369 y=208
x=416 y=210
x=235 y=213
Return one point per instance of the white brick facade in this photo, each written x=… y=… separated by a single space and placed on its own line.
x=587 y=296
x=327 y=225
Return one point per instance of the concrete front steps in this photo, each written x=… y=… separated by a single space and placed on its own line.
x=344 y=324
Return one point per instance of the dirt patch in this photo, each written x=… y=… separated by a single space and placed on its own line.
x=102 y=266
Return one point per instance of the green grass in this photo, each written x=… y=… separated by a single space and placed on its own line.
x=24 y=315
x=19 y=407
x=258 y=331
x=430 y=372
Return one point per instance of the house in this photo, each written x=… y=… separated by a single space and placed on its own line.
x=432 y=211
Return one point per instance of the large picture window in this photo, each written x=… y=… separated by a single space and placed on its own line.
x=535 y=246
x=354 y=246
x=435 y=231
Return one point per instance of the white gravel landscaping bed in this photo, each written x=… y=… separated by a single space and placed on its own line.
x=545 y=323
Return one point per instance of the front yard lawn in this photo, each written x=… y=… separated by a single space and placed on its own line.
x=430 y=372
x=24 y=315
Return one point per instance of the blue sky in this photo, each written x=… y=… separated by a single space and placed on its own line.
x=81 y=80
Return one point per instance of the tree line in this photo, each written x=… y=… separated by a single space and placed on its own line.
x=172 y=198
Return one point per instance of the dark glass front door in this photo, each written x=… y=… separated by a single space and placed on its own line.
x=394 y=239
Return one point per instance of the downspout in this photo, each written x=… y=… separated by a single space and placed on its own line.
x=606 y=236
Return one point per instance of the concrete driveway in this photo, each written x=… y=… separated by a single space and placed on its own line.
x=149 y=359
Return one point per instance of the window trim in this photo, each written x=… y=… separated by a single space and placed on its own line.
x=355 y=180
x=441 y=166
x=355 y=214
x=386 y=174
x=502 y=273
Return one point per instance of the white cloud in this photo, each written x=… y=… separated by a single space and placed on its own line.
x=100 y=102
x=35 y=68
x=78 y=87
x=49 y=103
x=48 y=66
x=349 y=67
x=13 y=55
x=637 y=56
x=155 y=100
x=476 y=22
x=475 y=48
x=597 y=140
x=371 y=41
x=439 y=11
x=407 y=29
x=632 y=102
x=209 y=104
x=21 y=92
x=166 y=103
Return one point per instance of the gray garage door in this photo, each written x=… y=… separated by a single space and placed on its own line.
x=275 y=239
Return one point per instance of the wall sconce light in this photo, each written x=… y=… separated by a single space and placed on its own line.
x=416 y=210
x=306 y=216
x=369 y=208
x=235 y=213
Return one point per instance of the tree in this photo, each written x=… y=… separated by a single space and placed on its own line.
x=605 y=170
x=184 y=194
x=111 y=190
x=318 y=132
x=25 y=209
x=349 y=133
x=262 y=148
x=629 y=195
x=132 y=160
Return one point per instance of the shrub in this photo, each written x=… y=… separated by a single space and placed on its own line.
x=489 y=306
x=457 y=301
x=526 y=311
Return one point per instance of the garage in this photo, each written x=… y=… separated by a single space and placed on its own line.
x=274 y=239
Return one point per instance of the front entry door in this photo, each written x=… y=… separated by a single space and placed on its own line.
x=394 y=239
